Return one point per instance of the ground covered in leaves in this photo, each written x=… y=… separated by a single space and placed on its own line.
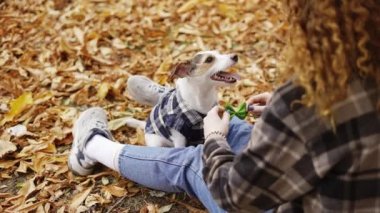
x=60 y=57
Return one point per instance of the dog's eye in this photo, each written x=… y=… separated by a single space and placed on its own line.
x=209 y=59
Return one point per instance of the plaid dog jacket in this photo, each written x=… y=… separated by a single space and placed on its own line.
x=173 y=113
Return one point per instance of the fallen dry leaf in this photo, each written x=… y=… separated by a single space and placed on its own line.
x=115 y=190
x=30 y=206
x=6 y=147
x=103 y=90
x=165 y=209
x=78 y=199
x=17 y=106
x=118 y=123
x=150 y=208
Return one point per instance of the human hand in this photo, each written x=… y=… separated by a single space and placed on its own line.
x=257 y=103
x=215 y=124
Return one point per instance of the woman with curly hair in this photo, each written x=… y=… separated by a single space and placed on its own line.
x=316 y=147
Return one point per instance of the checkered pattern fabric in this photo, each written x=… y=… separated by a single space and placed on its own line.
x=298 y=162
x=173 y=113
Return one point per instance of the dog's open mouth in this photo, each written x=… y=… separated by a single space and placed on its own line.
x=225 y=77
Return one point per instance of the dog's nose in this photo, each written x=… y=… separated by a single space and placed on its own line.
x=235 y=57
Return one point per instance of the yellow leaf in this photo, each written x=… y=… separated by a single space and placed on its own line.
x=163 y=71
x=42 y=97
x=27 y=188
x=103 y=90
x=39 y=162
x=115 y=190
x=17 y=106
x=50 y=148
x=79 y=198
x=189 y=5
x=119 y=122
x=165 y=66
x=227 y=10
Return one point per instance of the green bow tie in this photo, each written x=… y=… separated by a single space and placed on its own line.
x=241 y=111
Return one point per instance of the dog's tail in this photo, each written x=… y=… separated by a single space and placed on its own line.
x=134 y=123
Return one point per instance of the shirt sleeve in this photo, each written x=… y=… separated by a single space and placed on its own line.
x=274 y=169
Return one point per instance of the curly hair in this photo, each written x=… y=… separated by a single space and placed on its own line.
x=331 y=43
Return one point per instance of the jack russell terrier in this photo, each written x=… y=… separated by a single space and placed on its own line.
x=177 y=119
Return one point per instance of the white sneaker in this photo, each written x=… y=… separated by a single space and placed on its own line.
x=144 y=90
x=91 y=122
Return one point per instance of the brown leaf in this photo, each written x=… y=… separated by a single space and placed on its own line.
x=78 y=199
x=115 y=190
x=29 y=207
x=6 y=147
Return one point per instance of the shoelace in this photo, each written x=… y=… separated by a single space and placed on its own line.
x=158 y=89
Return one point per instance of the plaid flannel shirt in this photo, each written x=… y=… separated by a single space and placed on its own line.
x=173 y=113
x=297 y=162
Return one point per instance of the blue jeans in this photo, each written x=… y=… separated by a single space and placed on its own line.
x=178 y=169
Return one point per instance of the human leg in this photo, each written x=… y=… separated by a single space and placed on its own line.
x=167 y=169
x=178 y=169
x=104 y=151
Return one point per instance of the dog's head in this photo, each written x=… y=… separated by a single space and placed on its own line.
x=209 y=65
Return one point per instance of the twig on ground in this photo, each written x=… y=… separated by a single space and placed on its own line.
x=188 y=207
x=117 y=203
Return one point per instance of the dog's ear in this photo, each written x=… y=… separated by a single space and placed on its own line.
x=181 y=70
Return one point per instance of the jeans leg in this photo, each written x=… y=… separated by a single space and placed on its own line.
x=177 y=169
x=239 y=134
x=168 y=169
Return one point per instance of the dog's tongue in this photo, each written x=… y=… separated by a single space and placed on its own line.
x=228 y=74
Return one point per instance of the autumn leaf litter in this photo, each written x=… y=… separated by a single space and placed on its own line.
x=60 y=57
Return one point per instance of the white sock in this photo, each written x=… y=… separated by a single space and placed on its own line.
x=104 y=151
